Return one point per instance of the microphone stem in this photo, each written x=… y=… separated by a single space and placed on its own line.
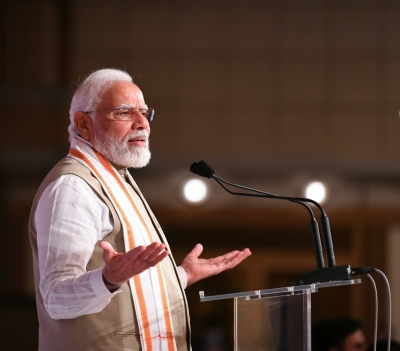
x=314 y=224
x=326 y=231
x=317 y=244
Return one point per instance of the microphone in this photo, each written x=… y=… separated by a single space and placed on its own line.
x=204 y=170
x=322 y=274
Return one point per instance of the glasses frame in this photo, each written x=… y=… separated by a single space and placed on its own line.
x=141 y=111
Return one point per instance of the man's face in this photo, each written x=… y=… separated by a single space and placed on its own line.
x=355 y=342
x=123 y=143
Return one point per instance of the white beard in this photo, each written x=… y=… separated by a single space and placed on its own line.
x=116 y=150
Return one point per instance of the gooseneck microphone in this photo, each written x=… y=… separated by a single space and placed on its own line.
x=204 y=170
x=322 y=274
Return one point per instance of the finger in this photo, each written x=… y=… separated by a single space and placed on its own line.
x=108 y=251
x=137 y=253
x=149 y=257
x=160 y=249
x=157 y=259
x=239 y=257
x=229 y=260
x=144 y=257
x=233 y=255
x=244 y=254
x=148 y=251
x=224 y=258
x=197 y=250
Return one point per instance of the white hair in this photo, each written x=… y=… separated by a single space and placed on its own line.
x=88 y=94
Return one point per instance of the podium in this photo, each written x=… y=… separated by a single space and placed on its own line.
x=274 y=319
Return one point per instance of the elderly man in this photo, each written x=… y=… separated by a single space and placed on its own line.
x=104 y=274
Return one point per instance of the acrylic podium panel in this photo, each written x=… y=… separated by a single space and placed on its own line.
x=274 y=319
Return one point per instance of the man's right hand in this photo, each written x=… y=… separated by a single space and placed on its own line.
x=120 y=267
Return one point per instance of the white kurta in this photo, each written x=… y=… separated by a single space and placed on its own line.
x=70 y=219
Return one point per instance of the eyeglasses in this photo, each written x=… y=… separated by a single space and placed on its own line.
x=128 y=113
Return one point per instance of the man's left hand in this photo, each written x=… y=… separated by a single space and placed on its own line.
x=199 y=268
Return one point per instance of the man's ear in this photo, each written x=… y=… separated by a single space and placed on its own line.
x=83 y=124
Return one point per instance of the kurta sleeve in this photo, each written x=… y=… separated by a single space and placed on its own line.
x=70 y=219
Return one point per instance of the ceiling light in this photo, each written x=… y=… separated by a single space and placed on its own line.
x=195 y=190
x=316 y=191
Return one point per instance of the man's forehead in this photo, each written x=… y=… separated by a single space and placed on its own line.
x=123 y=93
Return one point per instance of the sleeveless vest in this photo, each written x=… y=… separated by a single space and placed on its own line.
x=115 y=327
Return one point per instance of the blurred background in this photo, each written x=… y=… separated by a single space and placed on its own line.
x=272 y=94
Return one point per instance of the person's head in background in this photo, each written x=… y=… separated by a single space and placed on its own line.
x=342 y=334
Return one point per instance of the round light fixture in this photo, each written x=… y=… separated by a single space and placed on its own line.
x=316 y=191
x=195 y=190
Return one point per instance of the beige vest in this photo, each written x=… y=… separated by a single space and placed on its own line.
x=114 y=328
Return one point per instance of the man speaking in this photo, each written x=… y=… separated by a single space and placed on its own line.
x=104 y=275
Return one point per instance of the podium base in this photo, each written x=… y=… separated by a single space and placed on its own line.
x=324 y=275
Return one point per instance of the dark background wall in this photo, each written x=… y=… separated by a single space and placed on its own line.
x=273 y=94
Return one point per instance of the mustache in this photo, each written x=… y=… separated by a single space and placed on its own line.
x=136 y=134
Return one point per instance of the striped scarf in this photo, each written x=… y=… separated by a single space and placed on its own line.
x=148 y=288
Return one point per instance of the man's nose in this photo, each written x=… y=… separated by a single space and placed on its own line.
x=140 y=121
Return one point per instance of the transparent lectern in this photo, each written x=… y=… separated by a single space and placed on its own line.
x=274 y=319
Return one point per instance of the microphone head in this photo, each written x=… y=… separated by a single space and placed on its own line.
x=202 y=169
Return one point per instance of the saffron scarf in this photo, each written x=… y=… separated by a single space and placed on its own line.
x=148 y=288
